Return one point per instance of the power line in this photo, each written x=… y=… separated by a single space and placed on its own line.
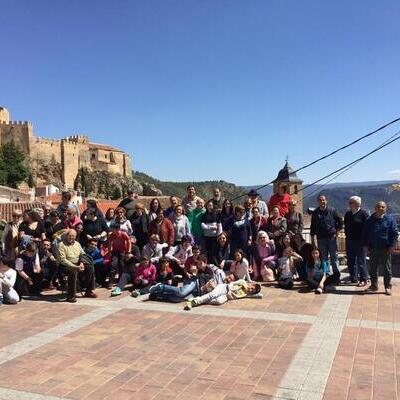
x=330 y=154
x=346 y=169
x=351 y=163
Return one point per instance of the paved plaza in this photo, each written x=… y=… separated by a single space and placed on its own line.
x=288 y=345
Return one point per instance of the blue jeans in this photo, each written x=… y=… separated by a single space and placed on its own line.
x=172 y=293
x=356 y=260
x=328 y=248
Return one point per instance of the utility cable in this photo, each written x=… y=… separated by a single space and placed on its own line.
x=329 y=154
x=351 y=163
x=346 y=169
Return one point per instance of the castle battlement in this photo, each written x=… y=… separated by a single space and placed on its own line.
x=10 y=123
x=71 y=152
x=43 y=140
x=77 y=139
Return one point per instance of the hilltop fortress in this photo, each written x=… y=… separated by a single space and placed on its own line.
x=72 y=152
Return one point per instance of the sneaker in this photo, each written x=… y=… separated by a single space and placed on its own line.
x=116 y=292
x=362 y=284
x=372 y=288
x=135 y=293
x=91 y=295
x=318 y=291
x=188 y=305
x=388 y=291
x=71 y=299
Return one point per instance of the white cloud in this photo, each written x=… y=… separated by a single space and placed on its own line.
x=395 y=172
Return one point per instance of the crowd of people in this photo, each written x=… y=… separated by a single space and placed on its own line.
x=194 y=251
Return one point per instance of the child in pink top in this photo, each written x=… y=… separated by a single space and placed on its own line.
x=240 y=266
x=145 y=273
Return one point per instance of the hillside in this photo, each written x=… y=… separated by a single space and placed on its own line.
x=339 y=193
x=203 y=189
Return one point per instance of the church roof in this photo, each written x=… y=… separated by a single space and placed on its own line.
x=286 y=174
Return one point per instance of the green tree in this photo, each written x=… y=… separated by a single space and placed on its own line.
x=3 y=172
x=14 y=164
x=116 y=194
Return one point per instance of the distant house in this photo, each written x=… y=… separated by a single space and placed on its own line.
x=46 y=190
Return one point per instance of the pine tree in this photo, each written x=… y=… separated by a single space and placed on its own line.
x=14 y=164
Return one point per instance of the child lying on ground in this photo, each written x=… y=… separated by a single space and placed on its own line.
x=224 y=292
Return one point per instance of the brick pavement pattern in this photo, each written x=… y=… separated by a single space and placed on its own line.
x=289 y=345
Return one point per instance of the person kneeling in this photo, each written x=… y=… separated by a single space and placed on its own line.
x=224 y=292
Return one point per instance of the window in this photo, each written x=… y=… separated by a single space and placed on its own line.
x=93 y=156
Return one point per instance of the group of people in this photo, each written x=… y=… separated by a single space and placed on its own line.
x=194 y=251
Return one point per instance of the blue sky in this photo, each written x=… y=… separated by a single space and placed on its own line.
x=210 y=89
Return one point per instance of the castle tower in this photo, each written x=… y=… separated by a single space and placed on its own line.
x=4 y=115
x=291 y=183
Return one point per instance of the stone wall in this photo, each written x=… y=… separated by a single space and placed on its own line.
x=72 y=152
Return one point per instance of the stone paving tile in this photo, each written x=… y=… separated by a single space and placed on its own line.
x=31 y=317
x=296 y=301
x=148 y=355
x=376 y=306
x=366 y=366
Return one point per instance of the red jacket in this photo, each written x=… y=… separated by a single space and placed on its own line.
x=166 y=231
x=281 y=201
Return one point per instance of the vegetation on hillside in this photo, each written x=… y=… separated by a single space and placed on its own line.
x=105 y=184
x=13 y=169
x=203 y=189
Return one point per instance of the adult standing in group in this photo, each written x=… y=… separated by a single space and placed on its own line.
x=294 y=220
x=181 y=225
x=66 y=202
x=164 y=228
x=380 y=238
x=227 y=216
x=154 y=209
x=140 y=225
x=195 y=217
x=9 y=239
x=211 y=226
x=189 y=201
x=241 y=232
x=169 y=212
x=354 y=224
x=281 y=200
x=129 y=203
x=217 y=199
x=255 y=201
x=325 y=226
x=91 y=204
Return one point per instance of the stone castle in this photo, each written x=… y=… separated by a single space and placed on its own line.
x=72 y=152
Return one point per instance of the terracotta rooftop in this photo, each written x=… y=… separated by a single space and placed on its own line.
x=7 y=209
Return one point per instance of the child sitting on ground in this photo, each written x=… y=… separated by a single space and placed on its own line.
x=240 y=266
x=317 y=270
x=286 y=269
x=165 y=274
x=98 y=261
x=145 y=276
